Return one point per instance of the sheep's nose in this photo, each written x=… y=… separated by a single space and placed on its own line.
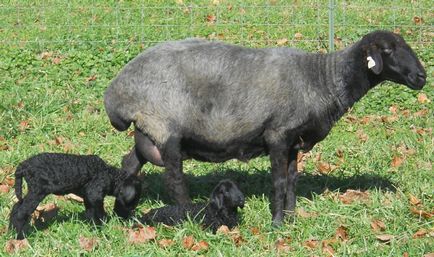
x=421 y=76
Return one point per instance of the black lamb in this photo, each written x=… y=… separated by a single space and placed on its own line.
x=87 y=176
x=220 y=210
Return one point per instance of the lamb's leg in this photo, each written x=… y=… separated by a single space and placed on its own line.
x=94 y=203
x=173 y=176
x=21 y=213
x=290 y=199
x=279 y=167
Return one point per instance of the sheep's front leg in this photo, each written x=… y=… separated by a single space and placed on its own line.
x=173 y=177
x=279 y=168
x=94 y=204
x=292 y=175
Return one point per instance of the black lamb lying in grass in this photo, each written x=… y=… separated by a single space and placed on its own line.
x=220 y=210
x=87 y=176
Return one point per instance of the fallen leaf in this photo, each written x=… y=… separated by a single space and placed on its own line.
x=421 y=213
x=255 y=231
x=68 y=146
x=14 y=246
x=353 y=195
x=428 y=255
x=397 y=161
x=141 y=235
x=422 y=98
x=87 y=243
x=4 y=189
x=405 y=254
x=378 y=225
x=389 y=119
x=418 y=20
x=56 y=60
x=342 y=233
x=362 y=135
x=24 y=124
x=304 y=214
x=74 y=197
x=298 y=36
x=238 y=239
x=165 y=243
x=91 y=78
x=282 y=41
x=223 y=229
x=45 y=55
x=311 y=244
x=393 y=109
x=44 y=213
x=385 y=238
x=327 y=249
x=211 y=18
x=282 y=245
x=59 y=140
x=414 y=200
x=325 y=167
x=421 y=113
x=200 y=246
x=420 y=233
x=188 y=242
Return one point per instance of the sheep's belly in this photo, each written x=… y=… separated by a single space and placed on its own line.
x=211 y=152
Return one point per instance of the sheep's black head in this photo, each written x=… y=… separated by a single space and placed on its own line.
x=227 y=196
x=391 y=58
x=127 y=195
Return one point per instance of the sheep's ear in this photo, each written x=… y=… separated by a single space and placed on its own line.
x=375 y=61
x=217 y=200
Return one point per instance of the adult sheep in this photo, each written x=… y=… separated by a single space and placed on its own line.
x=213 y=102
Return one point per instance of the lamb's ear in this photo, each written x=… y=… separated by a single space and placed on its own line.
x=217 y=198
x=127 y=193
x=375 y=61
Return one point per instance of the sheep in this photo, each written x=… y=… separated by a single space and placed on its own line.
x=222 y=209
x=212 y=101
x=87 y=176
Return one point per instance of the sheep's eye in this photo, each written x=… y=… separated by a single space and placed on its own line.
x=387 y=51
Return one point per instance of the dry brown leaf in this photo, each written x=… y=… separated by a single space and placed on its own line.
x=342 y=233
x=311 y=244
x=282 y=41
x=74 y=197
x=389 y=119
x=188 y=242
x=200 y=246
x=87 y=243
x=325 y=167
x=405 y=254
x=165 y=243
x=304 y=214
x=141 y=235
x=421 y=113
x=353 y=195
x=223 y=229
x=282 y=245
x=362 y=135
x=393 y=109
x=56 y=60
x=210 y=18
x=378 y=225
x=397 y=161
x=414 y=200
x=327 y=249
x=421 y=213
x=255 y=231
x=420 y=233
x=418 y=20
x=423 y=98
x=14 y=246
x=385 y=238
x=45 y=55
x=4 y=189
x=298 y=36
x=428 y=255
x=44 y=213
x=24 y=124
x=91 y=78
x=238 y=239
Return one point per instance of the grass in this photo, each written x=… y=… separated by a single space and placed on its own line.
x=58 y=57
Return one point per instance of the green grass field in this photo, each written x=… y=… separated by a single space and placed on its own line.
x=57 y=58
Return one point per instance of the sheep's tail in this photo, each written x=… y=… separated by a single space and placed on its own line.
x=19 y=174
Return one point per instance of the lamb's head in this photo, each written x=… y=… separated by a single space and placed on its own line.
x=391 y=58
x=127 y=194
x=227 y=196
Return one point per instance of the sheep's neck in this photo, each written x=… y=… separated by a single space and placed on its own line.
x=347 y=78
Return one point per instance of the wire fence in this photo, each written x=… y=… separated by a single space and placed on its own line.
x=48 y=24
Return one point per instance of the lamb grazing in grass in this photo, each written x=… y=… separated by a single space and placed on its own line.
x=87 y=176
x=220 y=210
x=213 y=102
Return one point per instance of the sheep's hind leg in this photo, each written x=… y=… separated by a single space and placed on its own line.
x=143 y=151
x=173 y=177
x=21 y=213
x=290 y=198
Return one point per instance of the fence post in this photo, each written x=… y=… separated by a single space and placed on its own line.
x=331 y=25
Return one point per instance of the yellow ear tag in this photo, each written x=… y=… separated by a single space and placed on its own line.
x=371 y=62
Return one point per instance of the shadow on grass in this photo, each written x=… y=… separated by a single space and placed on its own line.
x=259 y=183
